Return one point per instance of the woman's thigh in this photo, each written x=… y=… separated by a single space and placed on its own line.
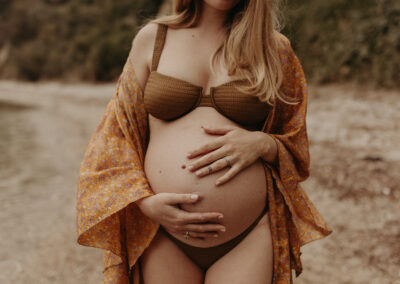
x=164 y=262
x=251 y=261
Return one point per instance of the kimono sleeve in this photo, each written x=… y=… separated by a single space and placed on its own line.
x=289 y=131
x=294 y=219
x=289 y=124
x=111 y=174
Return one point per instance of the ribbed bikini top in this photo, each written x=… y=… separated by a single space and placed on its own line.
x=168 y=98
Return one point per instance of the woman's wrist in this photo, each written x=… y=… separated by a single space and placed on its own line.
x=142 y=202
x=268 y=149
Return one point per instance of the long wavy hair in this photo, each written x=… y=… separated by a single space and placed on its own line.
x=251 y=48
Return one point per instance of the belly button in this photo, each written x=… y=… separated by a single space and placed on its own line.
x=159 y=171
x=183 y=166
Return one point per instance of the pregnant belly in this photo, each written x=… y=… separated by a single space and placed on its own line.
x=241 y=200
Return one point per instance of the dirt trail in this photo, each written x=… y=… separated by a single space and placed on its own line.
x=44 y=130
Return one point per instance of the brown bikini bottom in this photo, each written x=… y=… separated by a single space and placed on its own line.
x=205 y=257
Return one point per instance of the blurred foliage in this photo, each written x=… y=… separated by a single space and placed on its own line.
x=336 y=40
x=73 y=39
x=343 y=40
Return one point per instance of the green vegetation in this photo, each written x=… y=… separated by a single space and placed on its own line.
x=76 y=39
x=342 y=40
x=336 y=40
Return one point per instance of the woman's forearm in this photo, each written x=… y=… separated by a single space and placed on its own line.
x=268 y=149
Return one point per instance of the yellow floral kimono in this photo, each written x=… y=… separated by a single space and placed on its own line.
x=112 y=178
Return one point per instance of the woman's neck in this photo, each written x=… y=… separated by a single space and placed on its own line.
x=212 y=20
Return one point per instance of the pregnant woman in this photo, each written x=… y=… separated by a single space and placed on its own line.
x=192 y=175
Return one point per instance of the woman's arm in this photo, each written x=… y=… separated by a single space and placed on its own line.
x=141 y=52
x=269 y=148
x=288 y=126
x=236 y=147
x=111 y=176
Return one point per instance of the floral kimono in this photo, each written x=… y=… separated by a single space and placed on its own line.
x=112 y=178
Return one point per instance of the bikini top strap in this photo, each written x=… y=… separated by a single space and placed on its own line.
x=158 y=45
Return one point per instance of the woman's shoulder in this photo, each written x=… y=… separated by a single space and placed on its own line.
x=142 y=50
x=293 y=74
x=283 y=40
x=284 y=44
x=285 y=50
x=145 y=36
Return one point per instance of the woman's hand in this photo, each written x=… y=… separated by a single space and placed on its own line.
x=163 y=208
x=236 y=148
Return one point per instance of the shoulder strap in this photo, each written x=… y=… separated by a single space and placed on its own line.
x=158 y=45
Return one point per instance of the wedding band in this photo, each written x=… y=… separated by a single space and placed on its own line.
x=209 y=169
x=186 y=235
x=228 y=162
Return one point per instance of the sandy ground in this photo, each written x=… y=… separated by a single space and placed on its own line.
x=355 y=182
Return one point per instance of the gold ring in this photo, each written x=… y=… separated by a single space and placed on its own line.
x=228 y=162
x=209 y=169
x=186 y=235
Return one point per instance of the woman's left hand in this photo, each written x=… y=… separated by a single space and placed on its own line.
x=236 y=148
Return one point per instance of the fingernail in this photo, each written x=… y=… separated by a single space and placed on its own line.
x=190 y=167
x=194 y=196
x=215 y=236
x=217 y=182
x=220 y=216
x=222 y=229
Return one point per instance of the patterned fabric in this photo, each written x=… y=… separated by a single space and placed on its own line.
x=112 y=178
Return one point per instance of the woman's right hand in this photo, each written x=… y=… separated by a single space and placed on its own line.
x=163 y=208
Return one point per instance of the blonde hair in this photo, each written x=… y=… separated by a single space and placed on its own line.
x=250 y=50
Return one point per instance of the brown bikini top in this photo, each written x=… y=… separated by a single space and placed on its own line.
x=168 y=98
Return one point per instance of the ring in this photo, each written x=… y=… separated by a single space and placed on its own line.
x=186 y=235
x=209 y=169
x=227 y=161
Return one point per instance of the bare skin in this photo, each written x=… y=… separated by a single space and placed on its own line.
x=163 y=261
